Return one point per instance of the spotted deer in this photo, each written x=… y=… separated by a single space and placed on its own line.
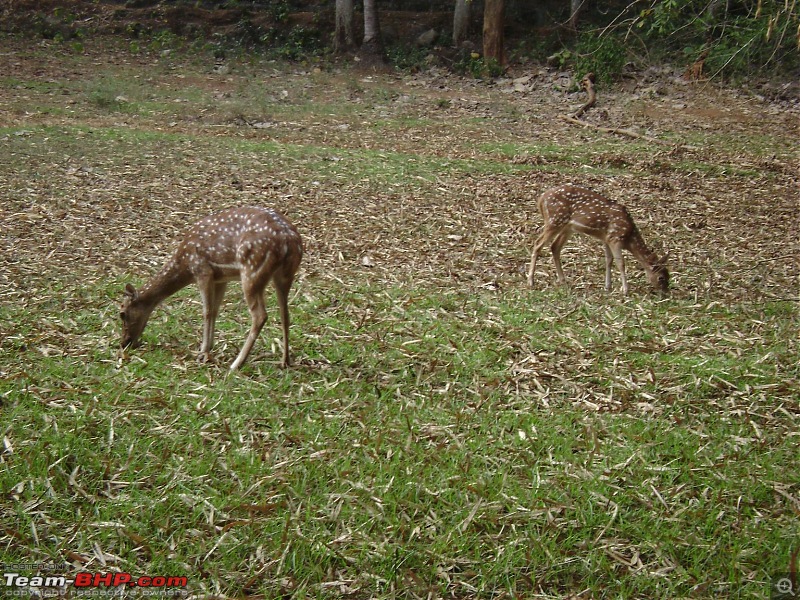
x=570 y=208
x=254 y=245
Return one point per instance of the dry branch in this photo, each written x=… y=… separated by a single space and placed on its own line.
x=587 y=83
x=620 y=131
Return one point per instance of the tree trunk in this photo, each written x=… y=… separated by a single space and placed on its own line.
x=344 y=38
x=461 y=21
x=575 y=7
x=493 y=22
x=371 y=51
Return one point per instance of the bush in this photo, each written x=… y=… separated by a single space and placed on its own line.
x=296 y=44
x=472 y=63
x=407 y=58
x=742 y=38
x=603 y=55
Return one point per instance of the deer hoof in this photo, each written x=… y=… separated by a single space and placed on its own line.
x=204 y=357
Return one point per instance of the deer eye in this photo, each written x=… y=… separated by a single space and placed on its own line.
x=122 y=315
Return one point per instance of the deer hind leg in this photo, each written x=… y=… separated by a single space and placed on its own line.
x=254 y=295
x=545 y=238
x=282 y=283
x=255 y=277
x=556 y=247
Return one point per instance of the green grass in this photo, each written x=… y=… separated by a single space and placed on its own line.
x=381 y=166
x=405 y=452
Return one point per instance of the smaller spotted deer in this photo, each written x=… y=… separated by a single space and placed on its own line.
x=254 y=245
x=570 y=208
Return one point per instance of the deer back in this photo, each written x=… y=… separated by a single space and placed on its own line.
x=236 y=239
x=587 y=212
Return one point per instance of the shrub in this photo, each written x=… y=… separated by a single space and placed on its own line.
x=603 y=55
x=406 y=57
x=472 y=63
x=295 y=44
x=741 y=38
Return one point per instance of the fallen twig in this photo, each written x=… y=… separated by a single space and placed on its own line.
x=587 y=83
x=625 y=132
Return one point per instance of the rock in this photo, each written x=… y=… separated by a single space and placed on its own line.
x=426 y=39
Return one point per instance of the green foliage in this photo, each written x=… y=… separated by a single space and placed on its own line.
x=603 y=55
x=59 y=26
x=406 y=57
x=738 y=38
x=492 y=68
x=563 y=57
x=474 y=64
x=662 y=18
x=279 y=11
x=295 y=44
x=165 y=40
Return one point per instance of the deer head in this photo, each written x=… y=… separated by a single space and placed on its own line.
x=658 y=275
x=134 y=315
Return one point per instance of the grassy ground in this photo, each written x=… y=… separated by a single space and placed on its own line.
x=445 y=431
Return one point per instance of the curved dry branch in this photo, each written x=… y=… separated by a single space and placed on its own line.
x=587 y=83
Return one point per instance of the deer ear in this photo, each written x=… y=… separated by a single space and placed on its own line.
x=664 y=258
x=130 y=291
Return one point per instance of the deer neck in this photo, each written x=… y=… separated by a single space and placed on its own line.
x=172 y=278
x=646 y=257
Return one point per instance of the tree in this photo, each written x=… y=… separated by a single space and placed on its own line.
x=575 y=7
x=461 y=21
x=493 y=24
x=371 y=50
x=344 y=38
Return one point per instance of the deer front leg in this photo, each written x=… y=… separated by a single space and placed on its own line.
x=212 y=295
x=219 y=294
x=616 y=251
x=609 y=260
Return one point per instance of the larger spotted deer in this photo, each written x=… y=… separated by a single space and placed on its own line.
x=253 y=245
x=568 y=209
